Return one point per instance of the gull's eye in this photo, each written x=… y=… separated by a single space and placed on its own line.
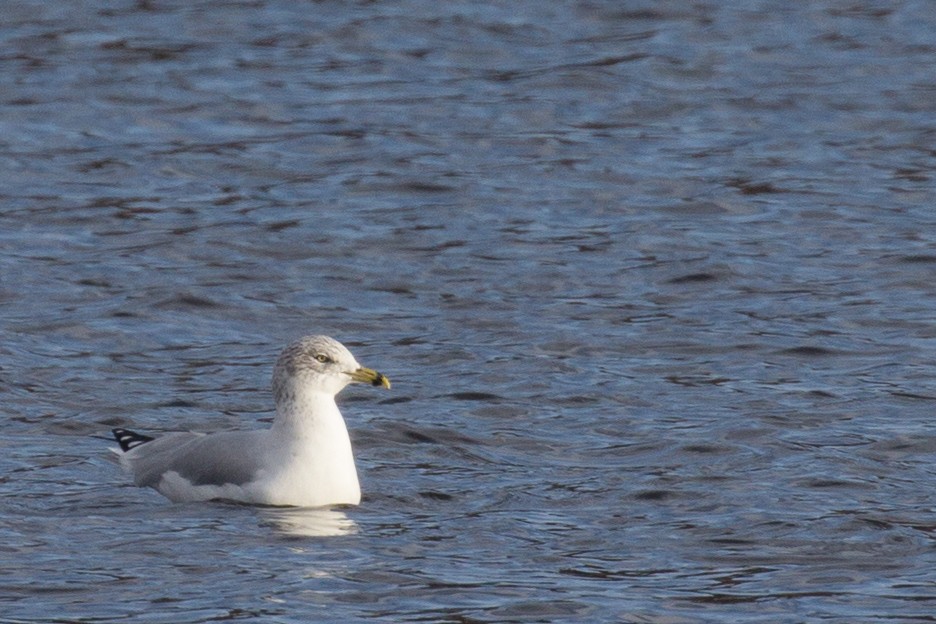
x=324 y=359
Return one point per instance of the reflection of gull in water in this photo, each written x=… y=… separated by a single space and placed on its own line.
x=304 y=459
x=305 y=522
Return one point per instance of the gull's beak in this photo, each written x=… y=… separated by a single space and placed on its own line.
x=370 y=376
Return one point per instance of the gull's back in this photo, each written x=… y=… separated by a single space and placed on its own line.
x=191 y=466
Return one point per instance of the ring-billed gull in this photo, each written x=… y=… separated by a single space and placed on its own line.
x=304 y=459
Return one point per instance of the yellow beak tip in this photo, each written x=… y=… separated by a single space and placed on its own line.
x=372 y=377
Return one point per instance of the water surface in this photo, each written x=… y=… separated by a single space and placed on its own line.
x=653 y=281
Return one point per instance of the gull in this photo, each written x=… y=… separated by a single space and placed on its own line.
x=304 y=459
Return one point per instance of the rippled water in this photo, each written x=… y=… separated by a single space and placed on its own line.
x=654 y=283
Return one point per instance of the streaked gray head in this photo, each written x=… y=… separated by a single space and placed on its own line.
x=318 y=363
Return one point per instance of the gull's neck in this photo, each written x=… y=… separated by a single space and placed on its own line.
x=317 y=461
x=309 y=413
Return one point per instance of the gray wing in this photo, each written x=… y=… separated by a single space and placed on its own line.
x=212 y=459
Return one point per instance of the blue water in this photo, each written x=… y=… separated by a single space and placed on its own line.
x=653 y=282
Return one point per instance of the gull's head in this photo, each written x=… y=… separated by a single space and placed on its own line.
x=319 y=364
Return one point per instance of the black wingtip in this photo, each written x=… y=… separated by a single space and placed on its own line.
x=129 y=439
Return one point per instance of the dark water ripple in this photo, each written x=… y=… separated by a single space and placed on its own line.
x=653 y=282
